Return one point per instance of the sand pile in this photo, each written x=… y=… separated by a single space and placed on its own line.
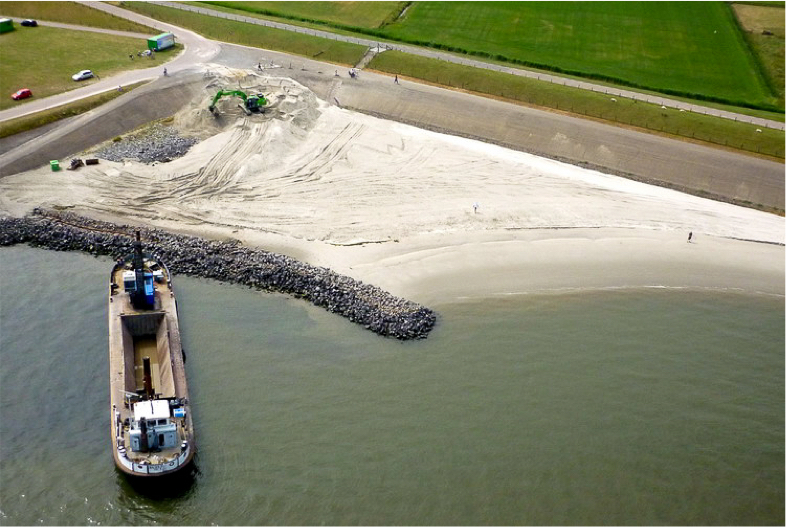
x=308 y=170
x=314 y=176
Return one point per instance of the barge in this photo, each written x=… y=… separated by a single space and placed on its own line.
x=152 y=428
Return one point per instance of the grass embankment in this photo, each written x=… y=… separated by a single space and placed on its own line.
x=656 y=46
x=42 y=118
x=659 y=46
x=72 y=13
x=362 y=14
x=44 y=59
x=763 y=27
x=717 y=131
x=252 y=35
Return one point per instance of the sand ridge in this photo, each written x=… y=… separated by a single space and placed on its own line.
x=367 y=197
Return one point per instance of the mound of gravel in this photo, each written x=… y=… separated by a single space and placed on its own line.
x=157 y=143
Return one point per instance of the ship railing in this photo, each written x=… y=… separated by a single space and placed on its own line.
x=159 y=468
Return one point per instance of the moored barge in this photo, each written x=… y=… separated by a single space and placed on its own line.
x=152 y=428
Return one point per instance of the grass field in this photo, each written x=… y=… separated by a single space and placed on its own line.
x=24 y=65
x=697 y=127
x=764 y=31
x=71 y=13
x=689 y=49
x=30 y=122
x=359 y=14
x=250 y=35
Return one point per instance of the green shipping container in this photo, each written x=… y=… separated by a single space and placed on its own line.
x=6 y=25
x=55 y=164
x=162 y=41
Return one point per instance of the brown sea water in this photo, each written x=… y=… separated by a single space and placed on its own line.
x=604 y=407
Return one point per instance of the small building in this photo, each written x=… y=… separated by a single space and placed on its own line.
x=6 y=25
x=162 y=41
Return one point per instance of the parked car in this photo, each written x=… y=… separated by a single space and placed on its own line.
x=82 y=75
x=29 y=22
x=24 y=93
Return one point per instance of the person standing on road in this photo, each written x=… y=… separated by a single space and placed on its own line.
x=690 y=236
x=396 y=79
x=164 y=72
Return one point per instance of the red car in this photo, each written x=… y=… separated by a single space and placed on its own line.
x=24 y=93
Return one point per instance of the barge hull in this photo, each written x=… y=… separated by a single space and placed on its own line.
x=154 y=337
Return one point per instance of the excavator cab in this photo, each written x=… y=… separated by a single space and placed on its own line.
x=253 y=103
x=256 y=103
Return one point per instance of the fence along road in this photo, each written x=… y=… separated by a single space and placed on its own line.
x=434 y=54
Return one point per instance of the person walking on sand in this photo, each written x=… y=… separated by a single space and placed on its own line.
x=690 y=236
x=475 y=206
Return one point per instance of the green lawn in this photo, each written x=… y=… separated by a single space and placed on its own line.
x=689 y=48
x=685 y=49
x=713 y=130
x=71 y=13
x=252 y=35
x=24 y=65
x=359 y=14
x=764 y=30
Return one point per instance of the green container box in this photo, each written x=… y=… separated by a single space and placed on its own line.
x=6 y=25
x=55 y=164
x=162 y=41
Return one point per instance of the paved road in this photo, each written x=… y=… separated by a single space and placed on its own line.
x=130 y=34
x=425 y=52
x=197 y=49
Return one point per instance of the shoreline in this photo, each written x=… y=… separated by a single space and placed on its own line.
x=445 y=268
x=438 y=269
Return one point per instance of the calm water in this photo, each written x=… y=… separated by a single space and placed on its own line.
x=649 y=407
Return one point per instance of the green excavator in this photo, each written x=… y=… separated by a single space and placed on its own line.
x=251 y=103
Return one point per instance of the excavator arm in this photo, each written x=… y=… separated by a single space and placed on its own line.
x=222 y=93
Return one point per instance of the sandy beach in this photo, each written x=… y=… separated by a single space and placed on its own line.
x=430 y=217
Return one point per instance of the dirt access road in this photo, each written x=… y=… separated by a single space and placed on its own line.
x=712 y=172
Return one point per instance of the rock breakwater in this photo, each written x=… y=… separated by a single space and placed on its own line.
x=364 y=304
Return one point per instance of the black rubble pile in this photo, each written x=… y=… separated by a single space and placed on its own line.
x=157 y=143
x=364 y=304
